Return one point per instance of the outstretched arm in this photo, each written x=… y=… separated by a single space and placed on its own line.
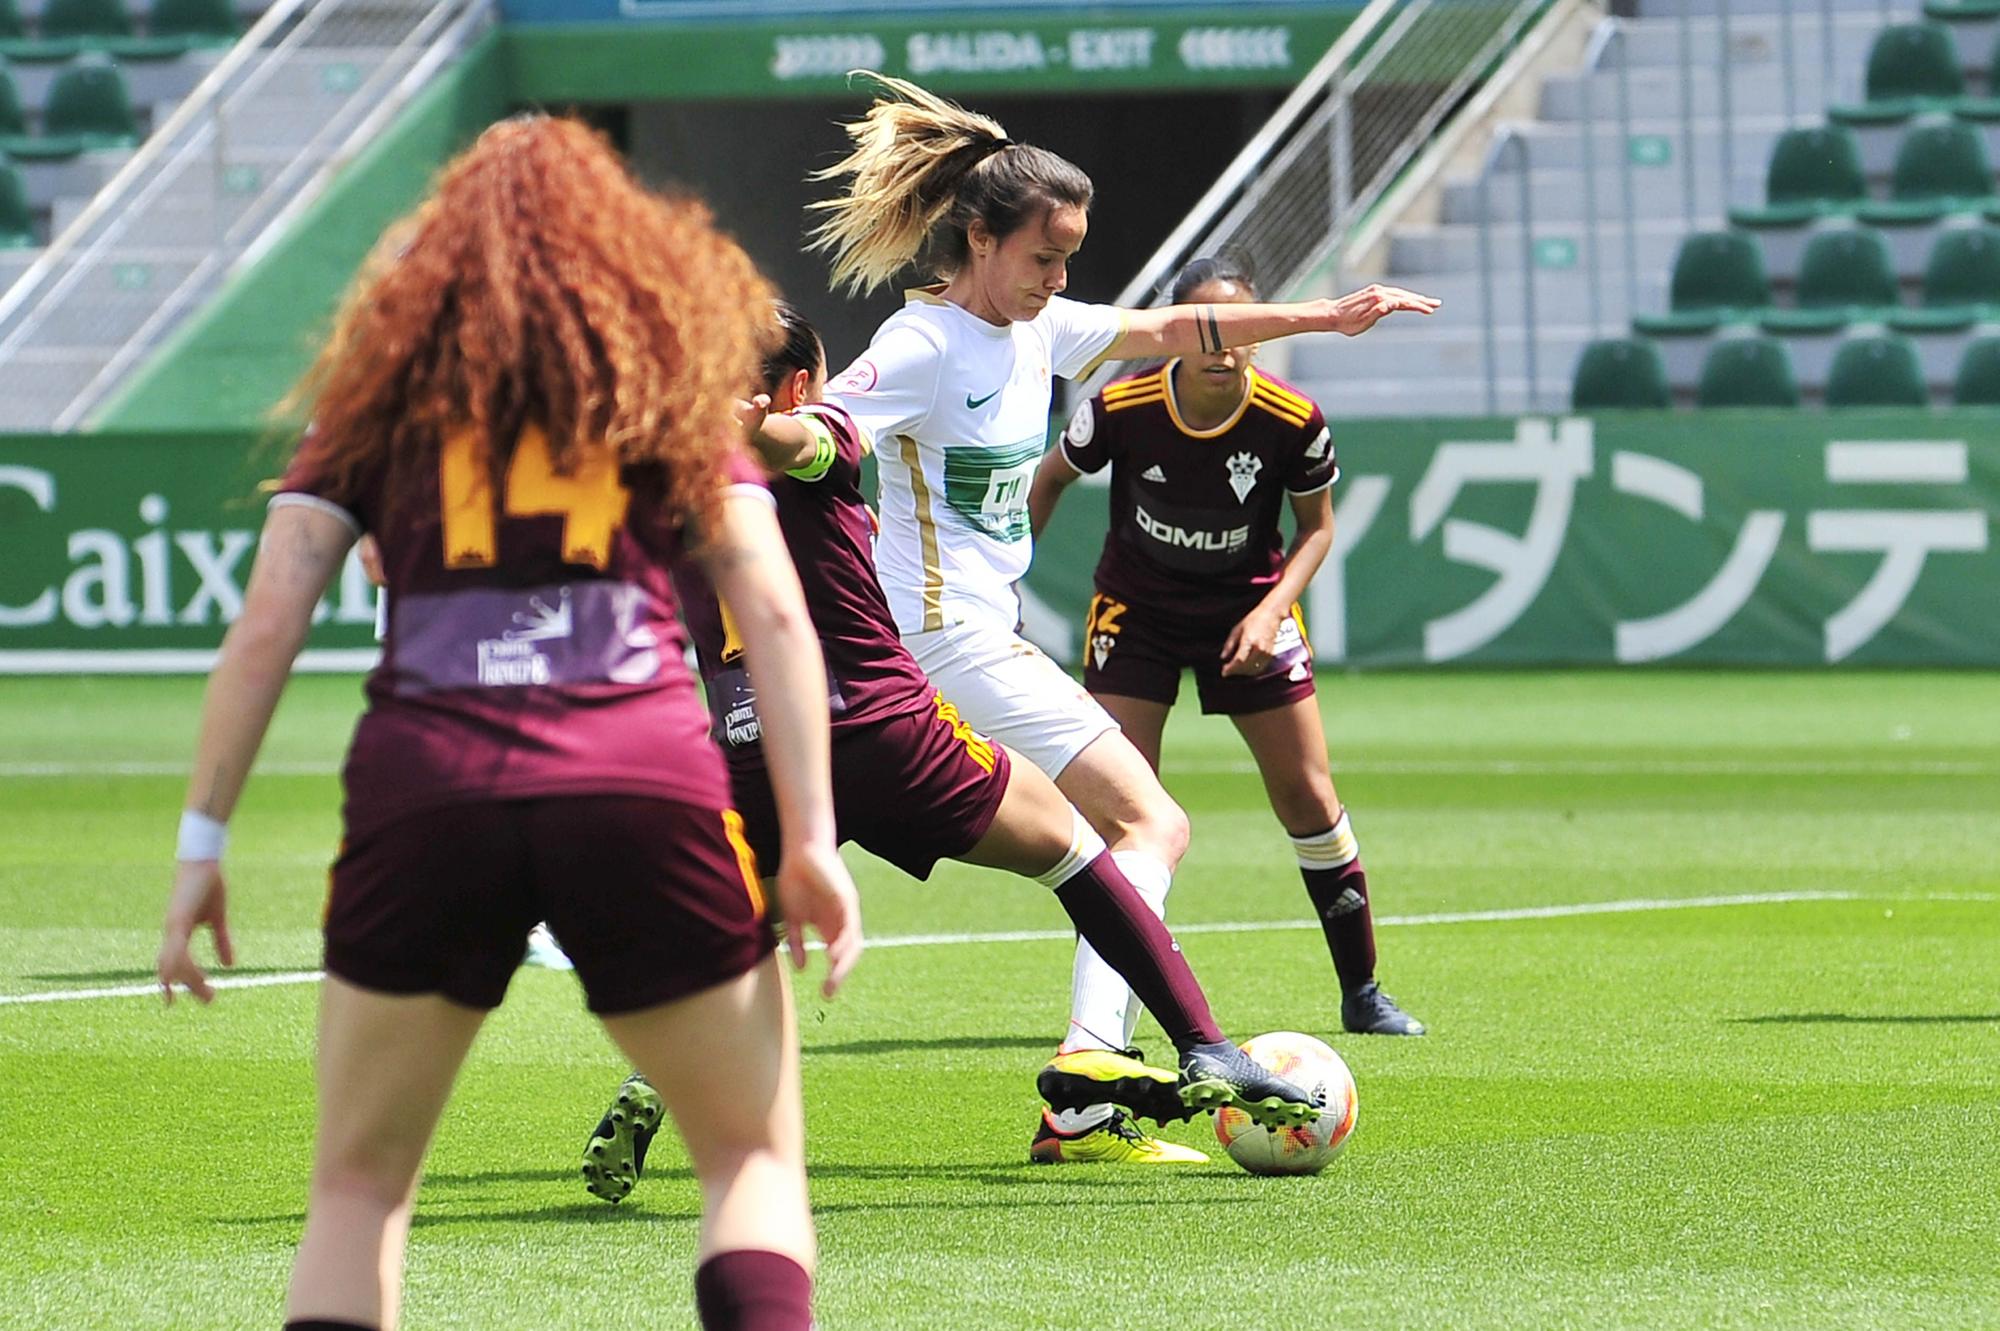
x=1184 y=330
x=782 y=442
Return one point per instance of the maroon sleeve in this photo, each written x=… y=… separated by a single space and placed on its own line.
x=1313 y=467
x=1086 y=440
x=309 y=479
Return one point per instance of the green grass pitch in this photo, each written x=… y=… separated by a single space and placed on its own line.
x=1780 y=1111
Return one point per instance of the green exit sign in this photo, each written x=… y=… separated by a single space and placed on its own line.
x=1649 y=150
x=1555 y=252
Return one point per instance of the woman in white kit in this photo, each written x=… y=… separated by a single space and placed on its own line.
x=956 y=389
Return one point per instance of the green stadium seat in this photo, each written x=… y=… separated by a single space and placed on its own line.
x=1877 y=371
x=1961 y=11
x=194 y=23
x=88 y=109
x=1747 y=372
x=17 y=220
x=1846 y=274
x=1718 y=277
x=88 y=21
x=1961 y=283
x=1620 y=374
x=1940 y=168
x=1812 y=172
x=13 y=121
x=11 y=27
x=1912 y=68
x=16 y=44
x=1978 y=382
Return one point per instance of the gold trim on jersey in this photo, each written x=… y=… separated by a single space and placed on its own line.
x=1174 y=407
x=927 y=540
x=1124 y=327
x=1138 y=392
x=1280 y=401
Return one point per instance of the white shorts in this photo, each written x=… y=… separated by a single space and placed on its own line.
x=1006 y=688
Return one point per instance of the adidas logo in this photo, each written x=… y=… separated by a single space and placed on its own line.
x=1153 y=473
x=1300 y=672
x=1346 y=903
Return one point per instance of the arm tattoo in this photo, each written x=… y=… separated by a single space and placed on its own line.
x=1207 y=330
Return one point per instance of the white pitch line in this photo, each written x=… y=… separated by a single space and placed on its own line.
x=1392 y=767
x=1227 y=927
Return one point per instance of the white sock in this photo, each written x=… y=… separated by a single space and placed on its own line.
x=1073 y=1121
x=1099 y=998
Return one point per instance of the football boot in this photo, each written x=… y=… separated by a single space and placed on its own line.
x=615 y=1155
x=1117 y=1140
x=1221 y=1074
x=1369 y=1011
x=1088 y=1077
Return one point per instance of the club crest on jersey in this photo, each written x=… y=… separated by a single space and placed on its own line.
x=1243 y=469
x=1100 y=647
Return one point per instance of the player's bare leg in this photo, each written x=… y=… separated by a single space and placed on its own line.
x=1142 y=721
x=1289 y=744
x=745 y=1134
x=385 y=1069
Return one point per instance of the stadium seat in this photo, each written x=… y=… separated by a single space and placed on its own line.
x=1961 y=283
x=88 y=109
x=1912 y=68
x=1961 y=11
x=1747 y=372
x=1812 y=172
x=1978 y=382
x=1620 y=374
x=1718 y=277
x=1846 y=274
x=193 y=23
x=17 y=220
x=87 y=21
x=1879 y=371
x=1940 y=168
x=13 y=121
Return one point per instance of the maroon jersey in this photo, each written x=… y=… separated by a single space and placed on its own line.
x=532 y=645
x=870 y=674
x=1195 y=513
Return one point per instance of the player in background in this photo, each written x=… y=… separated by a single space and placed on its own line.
x=955 y=390
x=528 y=399
x=1205 y=452
x=914 y=784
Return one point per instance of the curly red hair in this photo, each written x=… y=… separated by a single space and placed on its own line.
x=540 y=281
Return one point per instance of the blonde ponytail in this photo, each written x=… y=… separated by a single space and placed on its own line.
x=910 y=152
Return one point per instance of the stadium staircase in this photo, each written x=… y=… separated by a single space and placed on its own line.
x=1693 y=202
x=116 y=223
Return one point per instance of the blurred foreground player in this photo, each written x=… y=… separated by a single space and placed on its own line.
x=1205 y=452
x=914 y=784
x=529 y=401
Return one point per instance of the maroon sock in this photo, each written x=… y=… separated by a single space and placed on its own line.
x=321 y=1324
x=1114 y=919
x=749 y=1290
x=1340 y=899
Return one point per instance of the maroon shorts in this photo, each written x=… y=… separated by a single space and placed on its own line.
x=1133 y=653
x=913 y=789
x=652 y=899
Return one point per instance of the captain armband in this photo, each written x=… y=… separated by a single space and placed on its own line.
x=825 y=450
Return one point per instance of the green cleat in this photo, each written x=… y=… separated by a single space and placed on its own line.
x=615 y=1155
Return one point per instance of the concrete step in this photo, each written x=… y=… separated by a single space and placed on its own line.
x=112 y=300
x=1754 y=90
x=1559 y=196
x=1753 y=39
x=36 y=385
x=1416 y=252
x=1895 y=11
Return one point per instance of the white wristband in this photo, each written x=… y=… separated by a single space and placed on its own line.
x=202 y=837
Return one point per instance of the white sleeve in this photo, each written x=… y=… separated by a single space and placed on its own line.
x=889 y=388
x=1080 y=335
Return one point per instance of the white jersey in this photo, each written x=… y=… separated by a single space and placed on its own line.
x=958 y=411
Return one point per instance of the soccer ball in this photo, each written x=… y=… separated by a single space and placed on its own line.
x=1312 y=1065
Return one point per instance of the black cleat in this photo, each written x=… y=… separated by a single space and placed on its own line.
x=1369 y=1011
x=615 y=1155
x=1221 y=1074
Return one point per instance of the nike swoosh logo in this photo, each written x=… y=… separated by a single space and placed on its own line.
x=974 y=404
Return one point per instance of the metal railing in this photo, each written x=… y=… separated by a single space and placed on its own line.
x=258 y=138
x=1704 y=198
x=1336 y=144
